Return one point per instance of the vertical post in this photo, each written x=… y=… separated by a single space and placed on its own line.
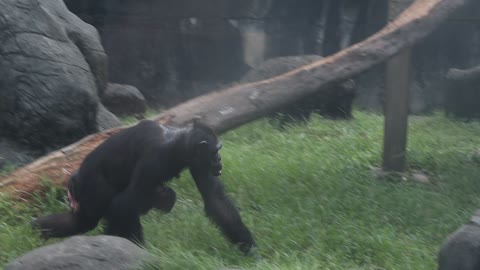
x=397 y=88
x=396 y=112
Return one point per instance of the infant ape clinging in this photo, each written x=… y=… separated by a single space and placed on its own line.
x=125 y=176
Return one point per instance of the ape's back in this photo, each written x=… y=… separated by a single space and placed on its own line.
x=116 y=158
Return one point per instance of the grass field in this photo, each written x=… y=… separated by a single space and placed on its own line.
x=310 y=199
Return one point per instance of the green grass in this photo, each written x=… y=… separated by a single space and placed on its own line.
x=310 y=199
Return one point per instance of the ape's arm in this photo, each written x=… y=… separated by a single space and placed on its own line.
x=164 y=199
x=221 y=210
x=145 y=191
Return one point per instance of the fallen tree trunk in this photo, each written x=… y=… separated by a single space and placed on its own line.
x=230 y=108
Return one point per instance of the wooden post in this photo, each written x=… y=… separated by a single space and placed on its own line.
x=396 y=112
x=397 y=88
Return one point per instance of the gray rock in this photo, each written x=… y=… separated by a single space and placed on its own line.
x=420 y=177
x=462 y=93
x=378 y=172
x=106 y=119
x=53 y=68
x=476 y=156
x=461 y=251
x=123 y=99
x=84 y=253
x=12 y=154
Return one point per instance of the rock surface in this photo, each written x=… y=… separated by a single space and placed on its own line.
x=84 y=253
x=463 y=93
x=461 y=251
x=53 y=69
x=173 y=50
x=124 y=99
x=106 y=119
x=13 y=154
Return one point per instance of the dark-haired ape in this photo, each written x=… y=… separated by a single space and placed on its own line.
x=125 y=177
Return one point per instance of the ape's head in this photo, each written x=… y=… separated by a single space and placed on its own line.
x=205 y=146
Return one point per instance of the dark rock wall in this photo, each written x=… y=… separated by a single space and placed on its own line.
x=176 y=49
x=48 y=87
x=456 y=44
x=53 y=71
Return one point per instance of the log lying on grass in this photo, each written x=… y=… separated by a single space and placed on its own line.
x=238 y=105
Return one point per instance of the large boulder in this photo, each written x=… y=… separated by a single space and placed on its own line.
x=461 y=251
x=463 y=93
x=84 y=253
x=123 y=99
x=53 y=69
x=106 y=119
x=333 y=102
x=13 y=154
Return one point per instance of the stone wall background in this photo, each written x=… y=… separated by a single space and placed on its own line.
x=173 y=50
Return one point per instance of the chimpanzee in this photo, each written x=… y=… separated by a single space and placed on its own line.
x=126 y=176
